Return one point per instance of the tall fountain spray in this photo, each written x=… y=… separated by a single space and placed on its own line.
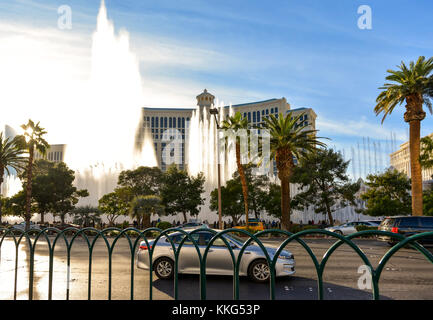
x=203 y=152
x=107 y=131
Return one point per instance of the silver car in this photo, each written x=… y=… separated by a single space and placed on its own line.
x=350 y=227
x=218 y=262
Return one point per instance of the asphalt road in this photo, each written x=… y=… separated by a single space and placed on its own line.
x=408 y=275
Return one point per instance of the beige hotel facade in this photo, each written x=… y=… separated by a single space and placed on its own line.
x=155 y=121
x=400 y=160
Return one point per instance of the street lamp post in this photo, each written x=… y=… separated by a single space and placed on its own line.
x=220 y=222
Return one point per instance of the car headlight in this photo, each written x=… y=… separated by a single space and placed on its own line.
x=286 y=256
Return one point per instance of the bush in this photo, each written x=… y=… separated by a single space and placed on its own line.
x=163 y=225
x=124 y=225
x=295 y=228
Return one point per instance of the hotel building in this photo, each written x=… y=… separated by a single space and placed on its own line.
x=155 y=121
x=55 y=153
x=400 y=160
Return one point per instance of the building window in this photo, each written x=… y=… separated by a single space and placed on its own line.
x=258 y=116
x=254 y=117
x=249 y=116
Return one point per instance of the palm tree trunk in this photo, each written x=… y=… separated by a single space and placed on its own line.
x=415 y=167
x=243 y=181
x=28 y=215
x=284 y=161
x=414 y=115
x=2 y=172
x=285 y=203
x=328 y=210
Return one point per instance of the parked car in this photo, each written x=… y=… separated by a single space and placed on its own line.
x=66 y=225
x=22 y=226
x=219 y=262
x=350 y=227
x=255 y=225
x=407 y=226
x=193 y=224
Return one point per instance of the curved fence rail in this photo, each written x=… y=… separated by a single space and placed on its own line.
x=135 y=236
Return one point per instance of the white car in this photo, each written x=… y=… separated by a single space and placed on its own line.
x=350 y=227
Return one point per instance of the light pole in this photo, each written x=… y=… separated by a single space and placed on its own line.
x=214 y=111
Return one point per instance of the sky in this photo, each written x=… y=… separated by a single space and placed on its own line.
x=313 y=53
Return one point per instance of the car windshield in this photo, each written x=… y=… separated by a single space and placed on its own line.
x=238 y=240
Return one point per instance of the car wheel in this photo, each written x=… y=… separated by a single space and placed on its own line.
x=164 y=268
x=338 y=232
x=259 y=271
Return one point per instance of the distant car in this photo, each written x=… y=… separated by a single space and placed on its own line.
x=253 y=225
x=407 y=226
x=22 y=226
x=350 y=227
x=193 y=225
x=66 y=225
x=219 y=261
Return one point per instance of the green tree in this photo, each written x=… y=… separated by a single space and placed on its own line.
x=428 y=203
x=52 y=188
x=288 y=141
x=16 y=205
x=388 y=194
x=182 y=193
x=322 y=179
x=32 y=140
x=142 y=208
x=426 y=157
x=272 y=201
x=413 y=85
x=233 y=204
x=258 y=185
x=236 y=123
x=141 y=181
x=114 y=205
x=11 y=157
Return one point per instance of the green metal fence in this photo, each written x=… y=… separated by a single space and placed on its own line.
x=135 y=236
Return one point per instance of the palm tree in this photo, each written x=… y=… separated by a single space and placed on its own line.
x=236 y=123
x=32 y=141
x=288 y=140
x=11 y=156
x=142 y=207
x=413 y=85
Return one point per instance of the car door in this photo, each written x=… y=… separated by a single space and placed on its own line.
x=189 y=261
x=349 y=228
x=426 y=225
x=219 y=260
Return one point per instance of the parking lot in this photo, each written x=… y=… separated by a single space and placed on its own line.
x=408 y=275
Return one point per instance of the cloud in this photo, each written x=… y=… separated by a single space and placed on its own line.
x=357 y=129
